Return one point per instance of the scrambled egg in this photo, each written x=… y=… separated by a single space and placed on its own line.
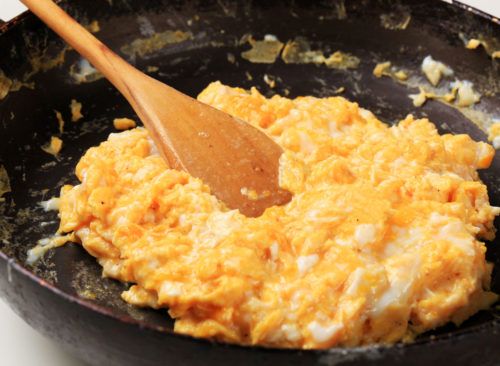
x=76 y=110
x=54 y=146
x=123 y=123
x=381 y=241
x=494 y=135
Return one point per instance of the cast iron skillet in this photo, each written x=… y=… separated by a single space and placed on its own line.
x=65 y=298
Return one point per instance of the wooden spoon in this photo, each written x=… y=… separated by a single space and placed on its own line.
x=237 y=161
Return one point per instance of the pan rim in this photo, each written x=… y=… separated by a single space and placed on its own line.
x=476 y=11
x=452 y=336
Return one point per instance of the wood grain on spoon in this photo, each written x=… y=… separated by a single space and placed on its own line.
x=230 y=156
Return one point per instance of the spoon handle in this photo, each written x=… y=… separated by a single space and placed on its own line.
x=101 y=57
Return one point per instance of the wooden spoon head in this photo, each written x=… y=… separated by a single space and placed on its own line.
x=237 y=161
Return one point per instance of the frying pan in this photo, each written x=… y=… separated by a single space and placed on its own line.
x=64 y=296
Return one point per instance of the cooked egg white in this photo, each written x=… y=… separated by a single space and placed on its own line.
x=381 y=241
x=76 y=110
x=435 y=70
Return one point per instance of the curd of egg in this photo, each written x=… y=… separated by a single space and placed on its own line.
x=381 y=241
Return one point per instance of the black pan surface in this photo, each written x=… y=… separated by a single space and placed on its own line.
x=103 y=330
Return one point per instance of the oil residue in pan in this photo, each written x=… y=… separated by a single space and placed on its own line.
x=295 y=51
x=145 y=46
x=5 y=85
x=41 y=59
x=265 y=51
x=4 y=183
x=447 y=92
x=11 y=85
x=490 y=45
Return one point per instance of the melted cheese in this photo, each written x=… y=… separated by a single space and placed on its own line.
x=380 y=242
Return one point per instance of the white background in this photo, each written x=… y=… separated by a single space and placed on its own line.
x=22 y=346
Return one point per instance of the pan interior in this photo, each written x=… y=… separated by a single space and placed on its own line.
x=217 y=34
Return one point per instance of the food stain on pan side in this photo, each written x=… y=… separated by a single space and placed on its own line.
x=231 y=58
x=40 y=256
x=84 y=282
x=263 y=52
x=8 y=85
x=60 y=121
x=5 y=85
x=422 y=96
x=435 y=70
x=342 y=60
x=146 y=28
x=6 y=231
x=340 y=10
x=122 y=124
x=53 y=147
x=337 y=11
x=17 y=85
x=40 y=61
x=466 y=96
x=89 y=284
x=479 y=117
x=338 y=357
x=490 y=45
x=386 y=69
x=76 y=110
x=298 y=51
x=458 y=94
x=9 y=243
x=83 y=72
x=488 y=80
x=396 y=20
x=494 y=134
x=270 y=80
x=4 y=183
x=46 y=244
x=228 y=7
x=144 y=46
x=51 y=204
x=34 y=221
x=93 y=27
